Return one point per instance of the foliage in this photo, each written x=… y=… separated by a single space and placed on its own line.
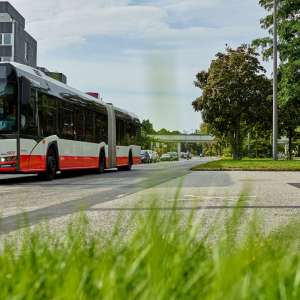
x=235 y=96
x=251 y=164
x=203 y=129
x=259 y=142
x=146 y=130
x=211 y=149
x=289 y=72
x=147 y=127
x=227 y=152
x=167 y=256
x=164 y=131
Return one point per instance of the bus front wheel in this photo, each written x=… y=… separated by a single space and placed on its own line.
x=51 y=167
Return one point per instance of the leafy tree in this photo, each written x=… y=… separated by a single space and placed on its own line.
x=204 y=128
x=165 y=131
x=258 y=144
x=289 y=71
x=147 y=127
x=235 y=91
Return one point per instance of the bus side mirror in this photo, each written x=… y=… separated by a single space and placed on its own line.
x=24 y=90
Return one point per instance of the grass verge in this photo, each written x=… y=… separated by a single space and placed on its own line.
x=167 y=257
x=249 y=165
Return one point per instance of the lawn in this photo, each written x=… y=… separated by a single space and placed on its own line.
x=166 y=257
x=250 y=164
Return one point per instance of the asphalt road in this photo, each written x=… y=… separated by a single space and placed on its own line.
x=26 y=201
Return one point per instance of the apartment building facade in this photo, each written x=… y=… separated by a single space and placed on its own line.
x=15 y=43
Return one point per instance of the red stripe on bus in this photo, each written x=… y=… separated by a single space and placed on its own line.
x=37 y=163
x=74 y=162
x=136 y=160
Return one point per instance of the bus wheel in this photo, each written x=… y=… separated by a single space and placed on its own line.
x=129 y=166
x=51 y=167
x=101 y=164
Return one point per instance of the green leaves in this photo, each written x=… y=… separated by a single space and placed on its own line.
x=289 y=71
x=234 y=92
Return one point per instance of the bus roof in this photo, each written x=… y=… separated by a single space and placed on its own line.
x=56 y=88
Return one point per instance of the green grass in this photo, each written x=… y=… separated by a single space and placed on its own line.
x=167 y=256
x=250 y=164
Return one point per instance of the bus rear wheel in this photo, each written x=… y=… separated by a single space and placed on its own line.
x=101 y=167
x=51 y=167
x=129 y=166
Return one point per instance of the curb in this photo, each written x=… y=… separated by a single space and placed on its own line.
x=242 y=169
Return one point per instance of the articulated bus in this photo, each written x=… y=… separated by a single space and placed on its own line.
x=47 y=126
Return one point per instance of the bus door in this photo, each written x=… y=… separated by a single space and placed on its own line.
x=28 y=133
x=23 y=99
x=112 y=137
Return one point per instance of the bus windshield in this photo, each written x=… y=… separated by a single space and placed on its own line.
x=8 y=107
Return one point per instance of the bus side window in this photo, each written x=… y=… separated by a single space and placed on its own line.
x=89 y=126
x=101 y=128
x=79 y=125
x=120 y=131
x=68 y=124
x=29 y=117
x=47 y=115
x=126 y=130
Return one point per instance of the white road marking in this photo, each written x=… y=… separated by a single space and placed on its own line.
x=199 y=198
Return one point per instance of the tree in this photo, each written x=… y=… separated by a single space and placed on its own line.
x=144 y=139
x=147 y=127
x=204 y=128
x=165 y=131
x=234 y=90
x=289 y=71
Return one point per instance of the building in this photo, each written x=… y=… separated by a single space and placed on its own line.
x=15 y=43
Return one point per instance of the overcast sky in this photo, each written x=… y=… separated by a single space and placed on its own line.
x=142 y=55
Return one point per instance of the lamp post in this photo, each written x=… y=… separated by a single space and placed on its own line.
x=275 y=83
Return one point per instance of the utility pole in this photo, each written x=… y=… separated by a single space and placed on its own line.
x=275 y=83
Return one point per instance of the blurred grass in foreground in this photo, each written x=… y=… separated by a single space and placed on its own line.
x=250 y=164
x=169 y=255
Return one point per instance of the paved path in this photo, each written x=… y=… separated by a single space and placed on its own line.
x=275 y=195
x=24 y=197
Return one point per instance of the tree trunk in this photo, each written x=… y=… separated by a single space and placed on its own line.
x=236 y=142
x=256 y=150
x=290 y=144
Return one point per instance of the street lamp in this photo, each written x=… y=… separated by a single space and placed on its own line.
x=275 y=83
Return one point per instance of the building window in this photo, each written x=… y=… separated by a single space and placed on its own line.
x=26 y=51
x=6 y=39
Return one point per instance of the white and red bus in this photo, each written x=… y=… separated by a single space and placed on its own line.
x=47 y=126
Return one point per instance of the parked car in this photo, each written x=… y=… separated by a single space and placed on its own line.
x=189 y=155
x=150 y=152
x=174 y=156
x=165 y=157
x=149 y=156
x=155 y=157
x=183 y=155
x=145 y=157
x=186 y=155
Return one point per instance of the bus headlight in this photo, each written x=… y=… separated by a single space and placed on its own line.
x=8 y=159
